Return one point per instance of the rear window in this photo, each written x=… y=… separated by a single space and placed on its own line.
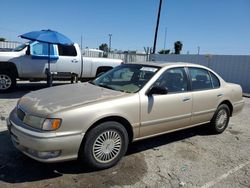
x=64 y=50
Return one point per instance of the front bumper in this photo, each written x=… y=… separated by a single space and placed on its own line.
x=43 y=146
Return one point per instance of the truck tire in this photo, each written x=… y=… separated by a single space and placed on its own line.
x=7 y=81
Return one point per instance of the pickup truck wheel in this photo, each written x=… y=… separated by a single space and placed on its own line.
x=220 y=119
x=104 y=146
x=7 y=81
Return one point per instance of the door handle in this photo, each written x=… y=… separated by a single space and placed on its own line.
x=186 y=99
x=74 y=61
x=219 y=95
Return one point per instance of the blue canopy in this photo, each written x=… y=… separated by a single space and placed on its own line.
x=47 y=36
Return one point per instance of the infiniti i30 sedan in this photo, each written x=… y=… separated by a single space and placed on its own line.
x=95 y=121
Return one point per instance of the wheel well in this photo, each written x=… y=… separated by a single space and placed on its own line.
x=103 y=69
x=10 y=67
x=229 y=104
x=118 y=119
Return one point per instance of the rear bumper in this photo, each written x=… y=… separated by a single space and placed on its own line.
x=43 y=146
x=237 y=107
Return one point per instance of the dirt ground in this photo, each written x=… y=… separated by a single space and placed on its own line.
x=189 y=158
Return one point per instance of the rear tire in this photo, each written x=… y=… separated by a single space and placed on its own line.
x=104 y=145
x=7 y=81
x=220 y=119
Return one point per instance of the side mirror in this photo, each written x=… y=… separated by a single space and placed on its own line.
x=28 y=50
x=157 y=90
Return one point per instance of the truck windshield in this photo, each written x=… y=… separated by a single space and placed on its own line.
x=21 y=47
x=129 y=78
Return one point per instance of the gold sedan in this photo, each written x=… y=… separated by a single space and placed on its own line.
x=95 y=121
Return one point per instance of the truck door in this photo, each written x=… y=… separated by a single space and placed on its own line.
x=69 y=59
x=35 y=62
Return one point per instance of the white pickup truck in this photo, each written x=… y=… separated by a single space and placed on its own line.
x=29 y=61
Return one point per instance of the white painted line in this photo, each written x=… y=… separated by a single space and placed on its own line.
x=217 y=180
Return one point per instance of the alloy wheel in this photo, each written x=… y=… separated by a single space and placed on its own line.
x=221 y=119
x=5 y=82
x=107 y=146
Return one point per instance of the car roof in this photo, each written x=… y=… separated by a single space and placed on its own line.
x=166 y=64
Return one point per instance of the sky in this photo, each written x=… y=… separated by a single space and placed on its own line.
x=215 y=26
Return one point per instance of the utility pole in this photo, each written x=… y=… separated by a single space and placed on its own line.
x=165 y=37
x=157 y=25
x=110 y=40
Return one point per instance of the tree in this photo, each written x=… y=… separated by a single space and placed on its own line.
x=164 y=52
x=2 y=39
x=104 y=47
x=178 y=47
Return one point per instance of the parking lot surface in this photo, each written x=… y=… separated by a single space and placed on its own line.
x=188 y=158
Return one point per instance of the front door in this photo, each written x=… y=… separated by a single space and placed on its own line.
x=165 y=112
x=33 y=65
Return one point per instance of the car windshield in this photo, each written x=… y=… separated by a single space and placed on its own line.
x=129 y=78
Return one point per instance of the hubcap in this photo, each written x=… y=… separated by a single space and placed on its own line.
x=221 y=119
x=107 y=146
x=5 y=82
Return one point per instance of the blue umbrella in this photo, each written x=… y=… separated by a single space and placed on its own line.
x=50 y=37
x=47 y=36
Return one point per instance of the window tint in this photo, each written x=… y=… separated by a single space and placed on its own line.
x=215 y=80
x=200 y=79
x=65 y=50
x=175 y=80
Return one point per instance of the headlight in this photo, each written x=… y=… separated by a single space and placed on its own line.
x=33 y=121
x=51 y=124
x=42 y=123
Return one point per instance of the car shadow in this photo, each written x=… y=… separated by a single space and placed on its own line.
x=17 y=168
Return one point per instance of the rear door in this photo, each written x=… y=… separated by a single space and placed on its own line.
x=206 y=93
x=69 y=59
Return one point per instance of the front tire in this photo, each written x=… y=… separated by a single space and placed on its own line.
x=7 y=81
x=104 y=145
x=220 y=119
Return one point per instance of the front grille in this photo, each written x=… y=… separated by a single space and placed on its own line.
x=20 y=114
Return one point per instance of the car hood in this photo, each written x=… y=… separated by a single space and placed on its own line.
x=50 y=100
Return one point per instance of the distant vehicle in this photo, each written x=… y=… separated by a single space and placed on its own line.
x=29 y=61
x=96 y=121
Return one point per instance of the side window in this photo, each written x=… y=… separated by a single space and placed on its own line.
x=175 y=80
x=65 y=50
x=41 y=49
x=215 y=80
x=200 y=79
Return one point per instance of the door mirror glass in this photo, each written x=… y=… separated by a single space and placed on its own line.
x=157 y=90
